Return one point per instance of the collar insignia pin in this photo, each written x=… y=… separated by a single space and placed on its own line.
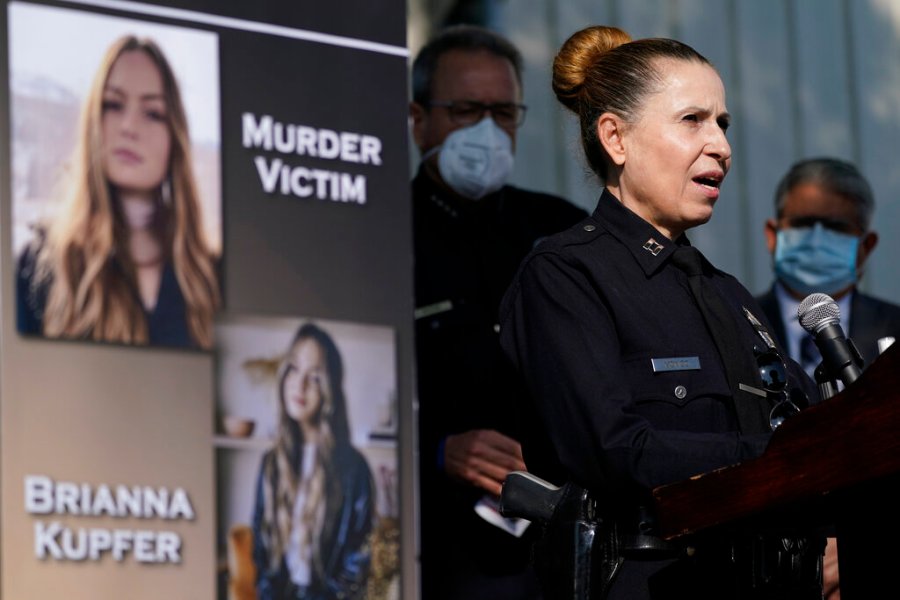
x=653 y=247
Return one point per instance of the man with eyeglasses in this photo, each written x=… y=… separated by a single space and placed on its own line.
x=820 y=239
x=471 y=231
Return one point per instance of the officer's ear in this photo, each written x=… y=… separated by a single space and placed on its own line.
x=610 y=132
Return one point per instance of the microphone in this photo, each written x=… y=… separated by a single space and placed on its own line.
x=821 y=316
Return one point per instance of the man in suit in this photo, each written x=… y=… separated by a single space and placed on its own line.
x=820 y=239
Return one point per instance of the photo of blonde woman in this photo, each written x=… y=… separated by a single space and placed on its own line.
x=315 y=500
x=307 y=460
x=124 y=257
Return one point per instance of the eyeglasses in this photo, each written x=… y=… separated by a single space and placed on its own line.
x=773 y=373
x=838 y=225
x=466 y=112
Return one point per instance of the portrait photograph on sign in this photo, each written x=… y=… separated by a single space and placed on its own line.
x=306 y=452
x=115 y=178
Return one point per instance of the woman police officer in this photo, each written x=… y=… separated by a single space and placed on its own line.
x=635 y=378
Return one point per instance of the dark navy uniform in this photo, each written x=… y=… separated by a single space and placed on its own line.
x=587 y=316
x=466 y=254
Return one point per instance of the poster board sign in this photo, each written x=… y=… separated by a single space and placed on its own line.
x=111 y=441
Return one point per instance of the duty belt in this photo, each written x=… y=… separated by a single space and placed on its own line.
x=580 y=550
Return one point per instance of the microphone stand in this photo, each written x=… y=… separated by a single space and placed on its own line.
x=827 y=386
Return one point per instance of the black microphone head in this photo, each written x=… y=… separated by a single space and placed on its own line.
x=817 y=311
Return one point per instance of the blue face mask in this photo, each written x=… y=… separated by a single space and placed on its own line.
x=815 y=259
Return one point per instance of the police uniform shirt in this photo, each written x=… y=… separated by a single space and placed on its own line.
x=590 y=312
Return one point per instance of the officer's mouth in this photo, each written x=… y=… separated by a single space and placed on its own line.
x=710 y=180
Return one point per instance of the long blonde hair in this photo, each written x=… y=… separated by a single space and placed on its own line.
x=282 y=469
x=92 y=280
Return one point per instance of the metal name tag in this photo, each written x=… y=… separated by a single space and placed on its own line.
x=679 y=363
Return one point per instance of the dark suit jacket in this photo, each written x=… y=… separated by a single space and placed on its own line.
x=466 y=254
x=870 y=319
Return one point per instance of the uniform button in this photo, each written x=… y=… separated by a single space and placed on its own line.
x=496 y=327
x=680 y=392
x=589 y=228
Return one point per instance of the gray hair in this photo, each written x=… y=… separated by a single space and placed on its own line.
x=837 y=176
x=459 y=37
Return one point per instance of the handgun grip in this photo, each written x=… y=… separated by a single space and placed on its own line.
x=526 y=496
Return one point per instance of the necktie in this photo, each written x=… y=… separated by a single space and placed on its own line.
x=809 y=354
x=722 y=323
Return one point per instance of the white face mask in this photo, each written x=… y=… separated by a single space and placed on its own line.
x=476 y=160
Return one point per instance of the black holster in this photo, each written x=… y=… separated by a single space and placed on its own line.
x=577 y=553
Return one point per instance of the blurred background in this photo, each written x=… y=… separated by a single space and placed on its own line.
x=803 y=78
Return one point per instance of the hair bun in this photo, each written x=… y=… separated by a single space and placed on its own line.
x=577 y=55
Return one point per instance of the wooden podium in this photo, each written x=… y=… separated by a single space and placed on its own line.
x=835 y=466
